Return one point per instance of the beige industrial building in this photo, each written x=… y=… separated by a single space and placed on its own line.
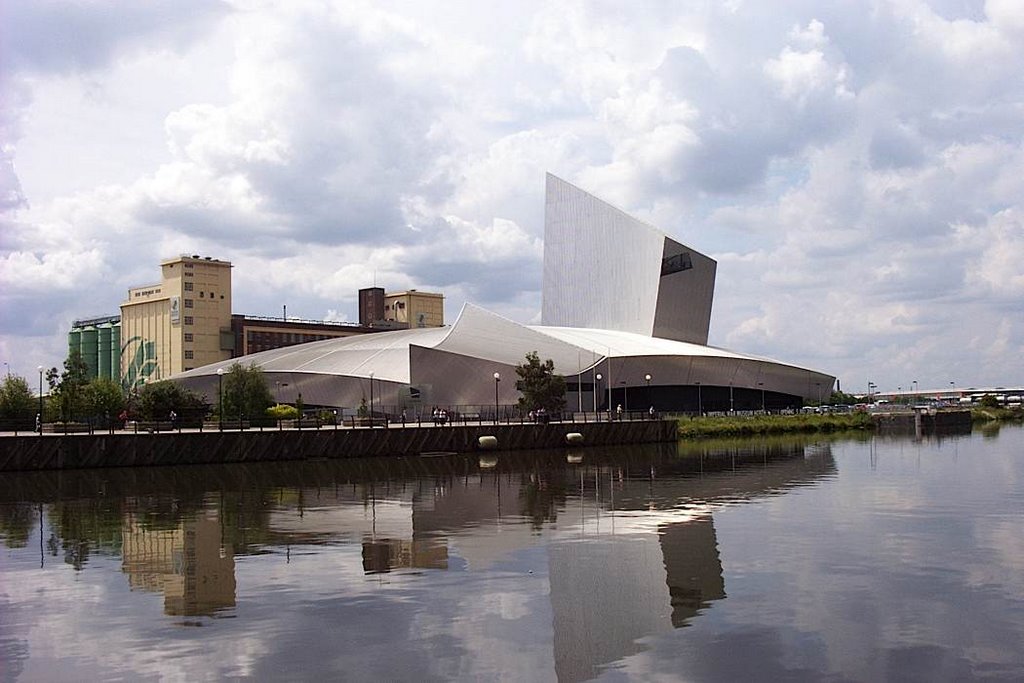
x=180 y=323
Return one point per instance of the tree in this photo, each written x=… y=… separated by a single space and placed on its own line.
x=539 y=385
x=16 y=400
x=158 y=399
x=67 y=389
x=989 y=401
x=246 y=393
x=103 y=397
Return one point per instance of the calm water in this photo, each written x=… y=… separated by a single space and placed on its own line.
x=881 y=559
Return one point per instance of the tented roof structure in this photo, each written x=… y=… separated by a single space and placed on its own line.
x=455 y=365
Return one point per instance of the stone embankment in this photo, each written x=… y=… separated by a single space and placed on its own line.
x=122 y=449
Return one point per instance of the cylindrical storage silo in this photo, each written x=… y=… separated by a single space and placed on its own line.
x=115 y=352
x=103 y=351
x=89 y=349
x=74 y=340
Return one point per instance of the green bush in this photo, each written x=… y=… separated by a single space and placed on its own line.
x=701 y=427
x=283 y=412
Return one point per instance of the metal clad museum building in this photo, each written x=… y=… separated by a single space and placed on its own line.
x=626 y=312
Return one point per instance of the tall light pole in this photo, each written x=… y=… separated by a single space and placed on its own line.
x=647 y=378
x=220 y=399
x=732 y=406
x=40 y=368
x=597 y=385
x=625 y=396
x=913 y=384
x=761 y=384
x=818 y=390
x=371 y=400
x=700 y=402
x=497 y=378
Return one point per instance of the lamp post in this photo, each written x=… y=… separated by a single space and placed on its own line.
x=497 y=378
x=371 y=400
x=817 y=388
x=732 y=406
x=625 y=397
x=40 y=368
x=700 y=402
x=220 y=399
x=913 y=384
x=647 y=378
x=597 y=388
x=761 y=384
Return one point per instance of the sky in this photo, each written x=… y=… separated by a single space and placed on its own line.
x=854 y=167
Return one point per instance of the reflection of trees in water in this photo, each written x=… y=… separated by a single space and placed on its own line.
x=17 y=521
x=87 y=507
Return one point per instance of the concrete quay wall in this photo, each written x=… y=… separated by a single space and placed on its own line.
x=75 y=451
x=923 y=421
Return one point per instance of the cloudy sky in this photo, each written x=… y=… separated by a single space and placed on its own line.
x=856 y=168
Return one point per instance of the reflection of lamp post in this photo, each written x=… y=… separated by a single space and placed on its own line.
x=371 y=400
x=761 y=384
x=40 y=400
x=220 y=399
x=497 y=378
x=700 y=402
x=597 y=388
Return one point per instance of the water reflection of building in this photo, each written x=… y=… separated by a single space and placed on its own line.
x=630 y=540
x=189 y=564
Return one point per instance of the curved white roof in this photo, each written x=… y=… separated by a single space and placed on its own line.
x=480 y=342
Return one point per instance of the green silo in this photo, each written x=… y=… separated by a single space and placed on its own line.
x=103 y=351
x=115 y=352
x=75 y=339
x=90 y=349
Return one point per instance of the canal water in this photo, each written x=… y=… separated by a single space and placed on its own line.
x=864 y=559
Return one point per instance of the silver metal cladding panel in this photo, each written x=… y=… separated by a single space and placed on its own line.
x=601 y=266
x=605 y=269
x=685 y=294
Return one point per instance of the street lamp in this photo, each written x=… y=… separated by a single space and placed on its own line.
x=700 y=401
x=40 y=368
x=761 y=384
x=625 y=397
x=220 y=399
x=497 y=378
x=597 y=388
x=818 y=390
x=647 y=378
x=732 y=406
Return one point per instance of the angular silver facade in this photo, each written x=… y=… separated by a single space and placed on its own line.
x=605 y=269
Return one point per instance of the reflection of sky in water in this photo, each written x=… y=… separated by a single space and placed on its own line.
x=865 y=561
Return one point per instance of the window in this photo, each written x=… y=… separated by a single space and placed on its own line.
x=188 y=303
x=188 y=286
x=202 y=294
x=188 y=320
x=188 y=355
x=188 y=336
